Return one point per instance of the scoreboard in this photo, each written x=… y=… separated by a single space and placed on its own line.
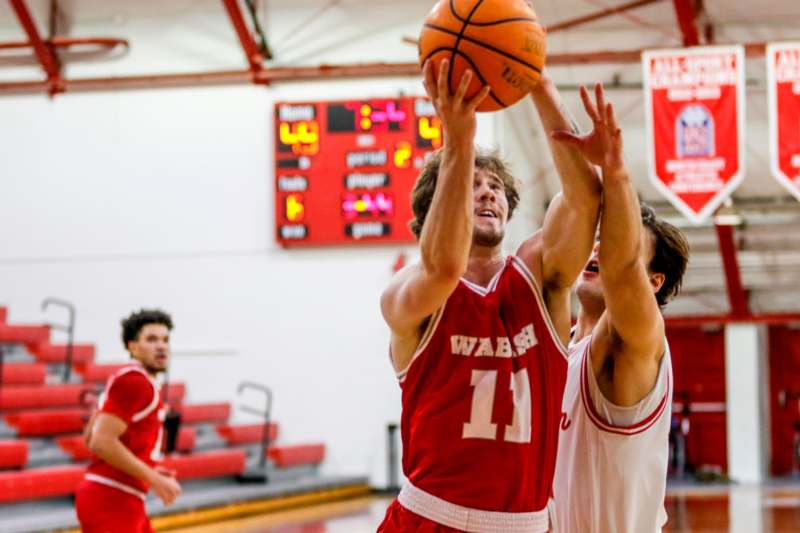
x=344 y=170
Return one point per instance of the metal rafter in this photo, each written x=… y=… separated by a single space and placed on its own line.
x=44 y=53
x=251 y=52
x=693 y=321
x=597 y=15
x=687 y=20
x=737 y=296
x=284 y=74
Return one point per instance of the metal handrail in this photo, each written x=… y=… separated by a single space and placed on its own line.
x=69 y=328
x=266 y=413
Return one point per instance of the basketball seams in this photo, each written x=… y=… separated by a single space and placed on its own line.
x=458 y=38
x=483 y=24
x=503 y=21
x=471 y=63
x=482 y=45
x=455 y=13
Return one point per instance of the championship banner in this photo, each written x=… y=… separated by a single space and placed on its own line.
x=783 y=79
x=694 y=113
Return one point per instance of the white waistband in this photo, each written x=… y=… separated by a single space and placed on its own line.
x=116 y=484
x=466 y=519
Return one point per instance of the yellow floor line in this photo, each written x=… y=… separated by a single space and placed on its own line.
x=238 y=510
x=242 y=509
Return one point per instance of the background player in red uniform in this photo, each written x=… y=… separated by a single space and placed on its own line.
x=125 y=434
x=481 y=366
x=613 y=449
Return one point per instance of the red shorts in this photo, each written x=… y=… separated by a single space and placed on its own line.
x=398 y=519
x=103 y=509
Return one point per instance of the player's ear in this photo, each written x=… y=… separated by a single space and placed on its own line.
x=657 y=280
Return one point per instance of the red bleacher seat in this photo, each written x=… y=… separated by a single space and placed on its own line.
x=246 y=433
x=187 y=437
x=214 y=463
x=13 y=453
x=48 y=422
x=57 y=353
x=207 y=412
x=306 y=454
x=3 y=315
x=23 y=373
x=35 y=396
x=24 y=334
x=175 y=394
x=75 y=447
x=94 y=373
x=35 y=483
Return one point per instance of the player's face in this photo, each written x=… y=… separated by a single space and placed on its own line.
x=590 y=284
x=151 y=347
x=491 y=209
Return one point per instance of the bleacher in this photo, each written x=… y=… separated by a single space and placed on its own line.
x=43 y=455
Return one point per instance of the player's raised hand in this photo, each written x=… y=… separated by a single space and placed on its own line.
x=455 y=111
x=603 y=145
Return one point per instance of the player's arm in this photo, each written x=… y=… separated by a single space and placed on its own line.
x=87 y=430
x=558 y=253
x=104 y=442
x=419 y=290
x=631 y=331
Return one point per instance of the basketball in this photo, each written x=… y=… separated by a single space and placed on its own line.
x=499 y=40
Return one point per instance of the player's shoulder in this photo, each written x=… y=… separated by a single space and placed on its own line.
x=530 y=253
x=131 y=378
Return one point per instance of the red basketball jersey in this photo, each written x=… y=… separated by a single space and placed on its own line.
x=482 y=397
x=132 y=395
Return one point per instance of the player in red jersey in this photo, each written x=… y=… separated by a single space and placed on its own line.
x=125 y=435
x=481 y=366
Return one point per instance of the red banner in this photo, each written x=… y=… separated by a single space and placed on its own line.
x=695 y=125
x=783 y=78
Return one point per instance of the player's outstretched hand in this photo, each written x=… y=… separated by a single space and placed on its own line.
x=166 y=487
x=455 y=111
x=603 y=145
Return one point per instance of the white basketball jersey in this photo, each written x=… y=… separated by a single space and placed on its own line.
x=611 y=468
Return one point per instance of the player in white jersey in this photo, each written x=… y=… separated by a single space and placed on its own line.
x=613 y=448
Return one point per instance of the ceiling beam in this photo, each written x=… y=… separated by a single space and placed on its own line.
x=294 y=74
x=597 y=15
x=686 y=11
x=44 y=53
x=737 y=296
x=693 y=321
x=254 y=58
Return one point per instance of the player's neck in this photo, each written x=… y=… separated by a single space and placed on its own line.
x=587 y=320
x=150 y=372
x=483 y=264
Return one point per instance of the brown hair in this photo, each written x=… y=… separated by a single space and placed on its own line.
x=422 y=194
x=670 y=254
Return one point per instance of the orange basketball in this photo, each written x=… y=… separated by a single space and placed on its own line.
x=499 y=40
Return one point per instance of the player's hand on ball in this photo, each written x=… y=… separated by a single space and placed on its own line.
x=456 y=113
x=603 y=145
x=167 y=488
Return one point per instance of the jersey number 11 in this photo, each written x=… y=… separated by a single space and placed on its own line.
x=480 y=425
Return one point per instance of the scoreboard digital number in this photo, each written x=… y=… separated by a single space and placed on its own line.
x=344 y=170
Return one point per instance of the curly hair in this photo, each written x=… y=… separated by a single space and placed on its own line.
x=422 y=194
x=133 y=324
x=670 y=254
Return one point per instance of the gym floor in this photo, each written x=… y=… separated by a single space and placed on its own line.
x=736 y=509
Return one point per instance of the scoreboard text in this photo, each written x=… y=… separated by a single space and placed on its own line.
x=344 y=170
